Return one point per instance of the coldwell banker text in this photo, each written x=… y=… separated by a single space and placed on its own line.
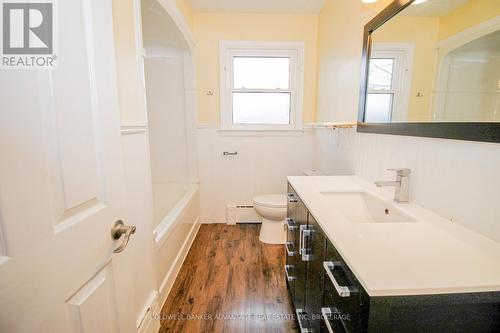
x=28 y=34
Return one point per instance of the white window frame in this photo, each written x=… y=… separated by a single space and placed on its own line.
x=402 y=53
x=293 y=50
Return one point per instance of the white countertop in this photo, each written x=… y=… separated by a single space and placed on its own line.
x=432 y=256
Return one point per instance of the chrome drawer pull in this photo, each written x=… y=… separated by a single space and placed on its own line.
x=299 y=313
x=343 y=291
x=291 y=198
x=326 y=313
x=288 y=276
x=302 y=227
x=290 y=223
x=289 y=249
x=305 y=233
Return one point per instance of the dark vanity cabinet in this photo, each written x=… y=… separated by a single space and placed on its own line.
x=305 y=249
x=295 y=267
x=325 y=294
x=328 y=297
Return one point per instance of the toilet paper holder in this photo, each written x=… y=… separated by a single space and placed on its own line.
x=230 y=153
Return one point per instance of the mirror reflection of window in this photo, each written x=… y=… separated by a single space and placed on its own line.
x=388 y=82
x=379 y=102
x=381 y=70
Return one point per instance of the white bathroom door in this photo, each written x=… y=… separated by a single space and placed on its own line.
x=61 y=183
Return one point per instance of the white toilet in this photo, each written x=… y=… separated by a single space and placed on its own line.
x=272 y=208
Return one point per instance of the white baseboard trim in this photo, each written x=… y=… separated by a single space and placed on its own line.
x=242 y=214
x=146 y=322
x=213 y=222
x=168 y=281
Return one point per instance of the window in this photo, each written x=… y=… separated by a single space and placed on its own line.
x=261 y=85
x=388 y=83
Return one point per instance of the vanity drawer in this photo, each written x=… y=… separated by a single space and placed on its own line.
x=290 y=273
x=291 y=228
x=344 y=295
x=296 y=221
x=291 y=202
x=315 y=250
x=291 y=216
x=290 y=278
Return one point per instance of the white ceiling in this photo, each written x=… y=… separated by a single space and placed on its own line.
x=434 y=7
x=258 y=6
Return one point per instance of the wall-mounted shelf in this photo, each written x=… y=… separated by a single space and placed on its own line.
x=333 y=126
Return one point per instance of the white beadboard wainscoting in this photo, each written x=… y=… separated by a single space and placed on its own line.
x=139 y=212
x=456 y=179
x=263 y=162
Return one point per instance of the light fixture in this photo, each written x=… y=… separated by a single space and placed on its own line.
x=370 y=1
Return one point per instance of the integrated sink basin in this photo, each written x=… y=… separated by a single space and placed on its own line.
x=362 y=207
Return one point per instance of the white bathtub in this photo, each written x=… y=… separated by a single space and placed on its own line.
x=174 y=235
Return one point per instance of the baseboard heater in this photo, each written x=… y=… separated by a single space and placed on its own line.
x=242 y=214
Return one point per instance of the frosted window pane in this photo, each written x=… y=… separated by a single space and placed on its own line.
x=380 y=76
x=261 y=108
x=263 y=73
x=378 y=108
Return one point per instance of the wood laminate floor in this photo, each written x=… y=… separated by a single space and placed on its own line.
x=230 y=282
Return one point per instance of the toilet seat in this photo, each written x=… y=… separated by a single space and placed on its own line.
x=271 y=200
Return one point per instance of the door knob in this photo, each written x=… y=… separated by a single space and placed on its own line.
x=118 y=230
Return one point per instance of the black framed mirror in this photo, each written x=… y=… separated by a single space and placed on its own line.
x=431 y=68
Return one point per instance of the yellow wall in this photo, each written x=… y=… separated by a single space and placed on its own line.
x=467 y=16
x=186 y=11
x=332 y=57
x=423 y=33
x=130 y=90
x=340 y=38
x=210 y=28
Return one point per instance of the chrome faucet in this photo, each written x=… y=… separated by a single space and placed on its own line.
x=401 y=185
